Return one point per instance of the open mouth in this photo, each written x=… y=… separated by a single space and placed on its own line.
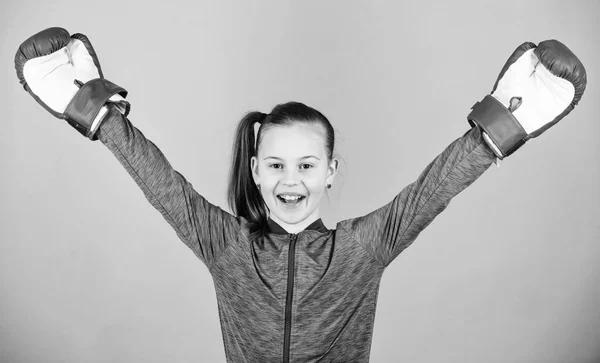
x=290 y=199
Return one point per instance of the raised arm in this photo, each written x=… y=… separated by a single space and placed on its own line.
x=62 y=73
x=387 y=231
x=536 y=88
x=202 y=226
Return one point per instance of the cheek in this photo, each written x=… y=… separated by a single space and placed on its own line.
x=315 y=184
x=267 y=177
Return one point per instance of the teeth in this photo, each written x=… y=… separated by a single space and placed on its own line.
x=290 y=197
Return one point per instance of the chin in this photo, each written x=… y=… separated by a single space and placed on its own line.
x=294 y=218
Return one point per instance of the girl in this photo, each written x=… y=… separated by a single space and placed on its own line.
x=288 y=288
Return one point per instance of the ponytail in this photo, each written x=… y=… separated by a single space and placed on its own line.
x=244 y=198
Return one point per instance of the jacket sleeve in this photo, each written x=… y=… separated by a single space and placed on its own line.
x=205 y=228
x=387 y=231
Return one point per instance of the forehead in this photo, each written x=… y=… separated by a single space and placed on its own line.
x=290 y=142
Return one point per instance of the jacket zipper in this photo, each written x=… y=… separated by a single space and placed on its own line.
x=288 y=300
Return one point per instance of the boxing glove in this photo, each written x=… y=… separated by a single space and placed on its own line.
x=537 y=87
x=62 y=73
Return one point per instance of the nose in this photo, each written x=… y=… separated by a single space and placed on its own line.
x=291 y=177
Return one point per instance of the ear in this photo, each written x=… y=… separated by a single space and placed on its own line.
x=254 y=168
x=332 y=170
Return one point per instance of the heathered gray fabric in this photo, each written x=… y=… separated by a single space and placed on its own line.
x=336 y=272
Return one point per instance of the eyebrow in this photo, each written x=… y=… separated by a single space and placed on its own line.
x=304 y=157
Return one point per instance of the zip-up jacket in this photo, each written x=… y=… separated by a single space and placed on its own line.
x=296 y=297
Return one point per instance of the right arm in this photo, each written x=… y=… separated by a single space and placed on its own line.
x=62 y=73
x=205 y=228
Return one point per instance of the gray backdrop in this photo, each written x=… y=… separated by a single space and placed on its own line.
x=510 y=272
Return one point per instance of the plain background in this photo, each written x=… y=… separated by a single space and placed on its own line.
x=510 y=272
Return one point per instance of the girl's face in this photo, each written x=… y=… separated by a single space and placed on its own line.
x=292 y=170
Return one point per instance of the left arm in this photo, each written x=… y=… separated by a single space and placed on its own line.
x=387 y=231
x=537 y=87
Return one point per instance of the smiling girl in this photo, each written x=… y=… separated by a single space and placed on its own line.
x=288 y=288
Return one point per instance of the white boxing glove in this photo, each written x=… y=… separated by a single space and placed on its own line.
x=538 y=86
x=63 y=74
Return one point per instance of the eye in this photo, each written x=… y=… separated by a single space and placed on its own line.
x=274 y=166
x=307 y=166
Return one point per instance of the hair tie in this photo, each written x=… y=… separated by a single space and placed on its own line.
x=257 y=125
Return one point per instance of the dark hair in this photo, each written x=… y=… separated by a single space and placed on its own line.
x=244 y=198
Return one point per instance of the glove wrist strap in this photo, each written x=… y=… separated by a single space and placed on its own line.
x=500 y=125
x=83 y=110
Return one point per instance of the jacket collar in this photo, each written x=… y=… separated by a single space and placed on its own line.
x=275 y=228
